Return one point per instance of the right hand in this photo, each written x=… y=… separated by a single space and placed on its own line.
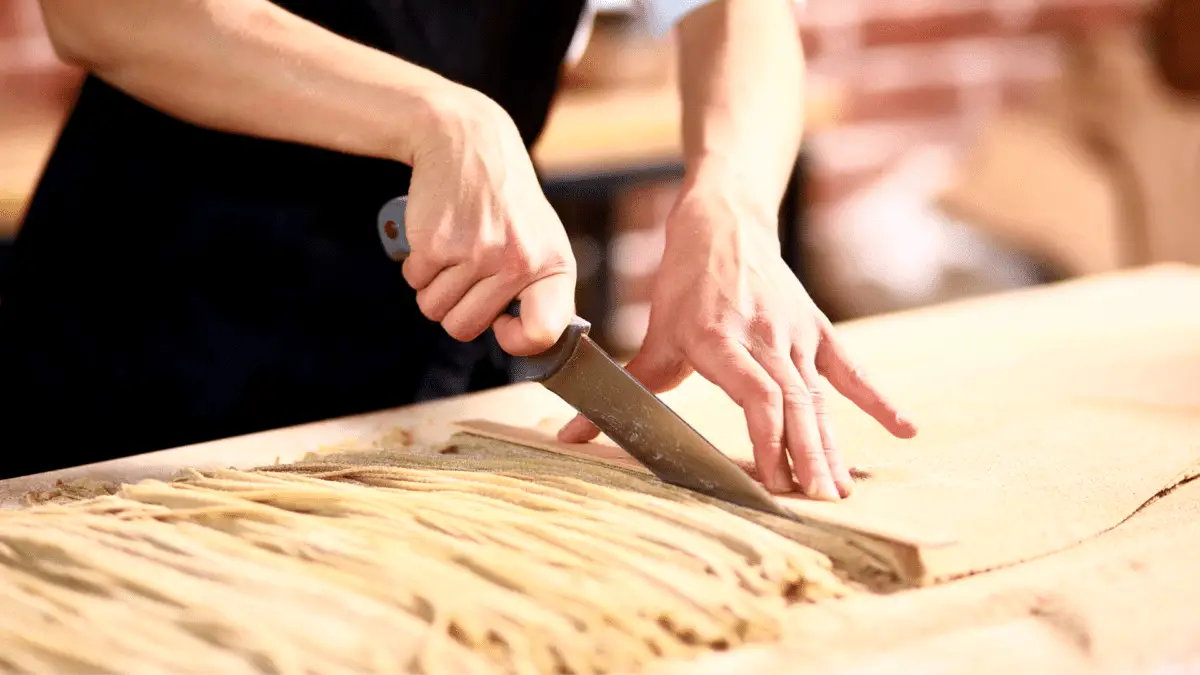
x=482 y=232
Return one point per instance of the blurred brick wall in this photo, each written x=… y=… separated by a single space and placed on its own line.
x=930 y=71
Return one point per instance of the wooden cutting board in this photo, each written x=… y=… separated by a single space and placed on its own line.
x=1047 y=417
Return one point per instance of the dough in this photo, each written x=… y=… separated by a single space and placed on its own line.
x=464 y=558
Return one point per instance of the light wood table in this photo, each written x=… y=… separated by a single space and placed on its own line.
x=903 y=352
x=593 y=131
x=1123 y=602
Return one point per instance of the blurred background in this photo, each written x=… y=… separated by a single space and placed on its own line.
x=954 y=148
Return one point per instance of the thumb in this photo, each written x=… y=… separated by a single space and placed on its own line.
x=547 y=307
x=658 y=368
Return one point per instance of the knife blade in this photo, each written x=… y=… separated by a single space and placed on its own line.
x=583 y=375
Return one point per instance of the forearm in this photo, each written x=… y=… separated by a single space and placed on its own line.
x=249 y=67
x=742 y=87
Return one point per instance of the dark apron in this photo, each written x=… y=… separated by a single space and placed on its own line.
x=172 y=285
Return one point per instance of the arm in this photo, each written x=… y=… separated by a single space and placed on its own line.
x=724 y=304
x=475 y=207
x=249 y=67
x=742 y=90
x=741 y=84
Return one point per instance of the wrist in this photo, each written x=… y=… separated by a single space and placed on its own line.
x=719 y=185
x=452 y=116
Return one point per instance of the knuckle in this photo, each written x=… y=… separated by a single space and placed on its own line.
x=761 y=344
x=708 y=336
x=484 y=257
x=540 y=340
x=458 y=330
x=763 y=391
x=772 y=446
x=409 y=272
x=444 y=248
x=516 y=263
x=798 y=396
x=857 y=373
x=764 y=330
x=810 y=454
x=817 y=397
x=428 y=307
x=537 y=335
x=849 y=374
x=559 y=264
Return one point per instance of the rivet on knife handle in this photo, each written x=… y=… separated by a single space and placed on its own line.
x=391 y=228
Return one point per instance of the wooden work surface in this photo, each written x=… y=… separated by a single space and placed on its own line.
x=588 y=132
x=1122 y=601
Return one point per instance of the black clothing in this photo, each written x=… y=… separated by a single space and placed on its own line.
x=173 y=284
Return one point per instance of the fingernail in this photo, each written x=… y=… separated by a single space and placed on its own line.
x=906 y=424
x=842 y=479
x=824 y=489
x=845 y=489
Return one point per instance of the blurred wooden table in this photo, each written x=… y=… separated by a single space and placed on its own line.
x=595 y=131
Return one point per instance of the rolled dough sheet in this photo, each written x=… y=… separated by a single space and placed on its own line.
x=1047 y=417
x=1123 y=602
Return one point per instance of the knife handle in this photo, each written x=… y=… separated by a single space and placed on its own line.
x=536 y=368
x=391 y=228
x=395 y=240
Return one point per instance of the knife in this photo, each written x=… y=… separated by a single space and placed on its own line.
x=579 y=372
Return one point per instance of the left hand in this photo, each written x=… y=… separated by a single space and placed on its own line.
x=725 y=304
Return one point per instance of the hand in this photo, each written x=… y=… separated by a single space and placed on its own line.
x=725 y=304
x=482 y=232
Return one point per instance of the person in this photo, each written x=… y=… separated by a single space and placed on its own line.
x=200 y=258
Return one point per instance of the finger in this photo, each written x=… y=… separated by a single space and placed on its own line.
x=837 y=467
x=478 y=308
x=729 y=366
x=658 y=368
x=578 y=430
x=445 y=291
x=834 y=363
x=802 y=431
x=420 y=270
x=547 y=307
